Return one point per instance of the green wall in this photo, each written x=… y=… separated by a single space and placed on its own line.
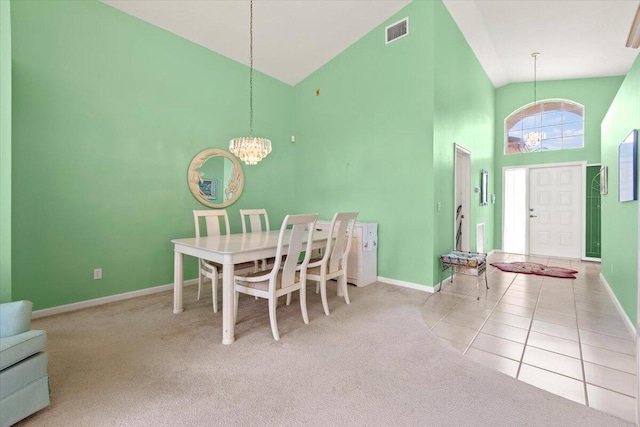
x=108 y=112
x=365 y=143
x=5 y=151
x=595 y=94
x=372 y=141
x=464 y=114
x=620 y=220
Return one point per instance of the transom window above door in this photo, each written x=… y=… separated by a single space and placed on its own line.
x=552 y=124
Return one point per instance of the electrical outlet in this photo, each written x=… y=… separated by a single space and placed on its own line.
x=97 y=273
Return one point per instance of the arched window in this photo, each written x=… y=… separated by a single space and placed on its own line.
x=552 y=124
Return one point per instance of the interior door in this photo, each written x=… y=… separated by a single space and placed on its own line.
x=555 y=211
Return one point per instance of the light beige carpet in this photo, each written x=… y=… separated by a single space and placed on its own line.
x=372 y=363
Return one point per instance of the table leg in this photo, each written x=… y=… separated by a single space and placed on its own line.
x=178 y=281
x=228 y=315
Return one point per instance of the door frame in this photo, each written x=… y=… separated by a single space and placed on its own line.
x=583 y=195
x=466 y=194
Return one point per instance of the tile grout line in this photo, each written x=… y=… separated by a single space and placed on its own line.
x=452 y=308
x=538 y=309
x=584 y=373
x=487 y=319
x=526 y=340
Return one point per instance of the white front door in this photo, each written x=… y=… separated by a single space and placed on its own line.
x=555 y=211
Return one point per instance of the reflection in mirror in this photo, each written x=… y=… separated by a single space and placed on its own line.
x=484 y=187
x=215 y=178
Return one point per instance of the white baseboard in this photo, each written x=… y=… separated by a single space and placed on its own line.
x=410 y=285
x=627 y=322
x=590 y=259
x=105 y=300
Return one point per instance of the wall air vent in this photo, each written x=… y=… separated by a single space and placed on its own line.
x=397 y=31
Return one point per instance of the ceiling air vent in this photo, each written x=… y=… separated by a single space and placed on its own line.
x=397 y=31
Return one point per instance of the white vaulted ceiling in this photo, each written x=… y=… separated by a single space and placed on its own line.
x=293 y=38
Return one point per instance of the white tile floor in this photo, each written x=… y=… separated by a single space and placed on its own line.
x=562 y=335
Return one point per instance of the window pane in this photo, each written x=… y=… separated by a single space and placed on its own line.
x=513 y=148
x=531 y=122
x=573 y=108
x=572 y=129
x=514 y=136
x=569 y=117
x=552 y=131
x=573 y=142
x=552 y=144
x=552 y=118
x=561 y=121
x=517 y=126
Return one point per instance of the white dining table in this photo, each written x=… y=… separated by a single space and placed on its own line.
x=227 y=250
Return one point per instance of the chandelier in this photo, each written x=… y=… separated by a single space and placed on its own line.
x=250 y=149
x=533 y=139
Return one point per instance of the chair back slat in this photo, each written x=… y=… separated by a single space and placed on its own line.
x=300 y=226
x=258 y=220
x=342 y=230
x=216 y=222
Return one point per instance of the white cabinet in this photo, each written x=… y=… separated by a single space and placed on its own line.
x=362 y=266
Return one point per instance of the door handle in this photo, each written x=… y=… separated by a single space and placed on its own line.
x=533 y=216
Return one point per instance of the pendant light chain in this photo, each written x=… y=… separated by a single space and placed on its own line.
x=250 y=149
x=535 y=80
x=533 y=139
x=251 y=68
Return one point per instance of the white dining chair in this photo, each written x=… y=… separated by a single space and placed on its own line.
x=334 y=261
x=286 y=277
x=216 y=223
x=253 y=221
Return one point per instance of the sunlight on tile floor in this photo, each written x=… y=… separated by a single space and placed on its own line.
x=562 y=335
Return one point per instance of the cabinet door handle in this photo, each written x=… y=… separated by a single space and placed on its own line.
x=533 y=216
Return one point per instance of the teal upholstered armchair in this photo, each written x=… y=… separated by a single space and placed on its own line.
x=24 y=383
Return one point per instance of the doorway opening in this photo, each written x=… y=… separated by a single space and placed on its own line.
x=543 y=212
x=462 y=198
x=514 y=229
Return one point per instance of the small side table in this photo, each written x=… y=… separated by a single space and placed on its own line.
x=465 y=261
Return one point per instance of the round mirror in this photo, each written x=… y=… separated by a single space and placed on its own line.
x=215 y=178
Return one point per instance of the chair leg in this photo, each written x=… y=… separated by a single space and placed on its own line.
x=236 y=297
x=323 y=295
x=199 y=281
x=317 y=286
x=214 y=290
x=288 y=299
x=345 y=287
x=272 y=318
x=303 y=304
